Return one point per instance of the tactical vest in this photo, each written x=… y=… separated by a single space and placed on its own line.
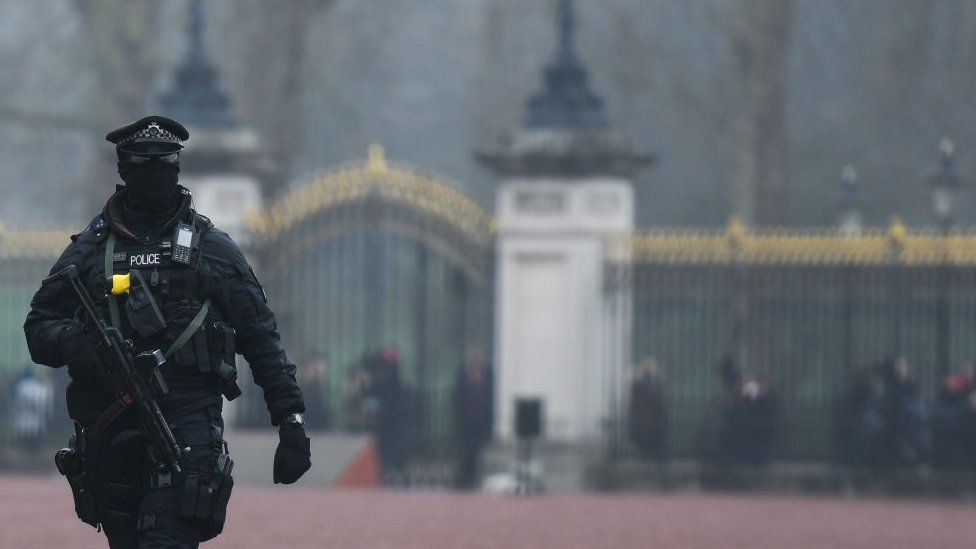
x=196 y=340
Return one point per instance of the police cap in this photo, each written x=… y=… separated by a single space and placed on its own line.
x=150 y=136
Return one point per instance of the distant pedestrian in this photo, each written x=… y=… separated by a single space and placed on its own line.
x=860 y=424
x=473 y=412
x=357 y=410
x=949 y=423
x=755 y=423
x=967 y=432
x=746 y=419
x=33 y=405
x=716 y=438
x=648 y=414
x=386 y=395
x=314 y=378
x=904 y=415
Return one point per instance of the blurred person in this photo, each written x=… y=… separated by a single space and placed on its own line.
x=904 y=415
x=209 y=305
x=715 y=438
x=753 y=423
x=314 y=379
x=473 y=414
x=967 y=433
x=32 y=405
x=357 y=404
x=950 y=444
x=730 y=375
x=859 y=423
x=647 y=414
x=414 y=434
x=385 y=395
x=745 y=421
x=966 y=372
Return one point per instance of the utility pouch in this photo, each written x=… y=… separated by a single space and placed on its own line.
x=205 y=495
x=70 y=463
x=141 y=308
x=226 y=360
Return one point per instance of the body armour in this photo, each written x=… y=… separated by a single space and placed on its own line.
x=211 y=307
x=197 y=341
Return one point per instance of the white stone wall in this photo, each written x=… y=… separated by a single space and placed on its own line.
x=553 y=237
x=227 y=199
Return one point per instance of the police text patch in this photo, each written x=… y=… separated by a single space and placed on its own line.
x=145 y=260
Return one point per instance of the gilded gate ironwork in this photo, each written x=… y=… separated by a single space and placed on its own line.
x=377 y=195
x=801 y=309
x=372 y=255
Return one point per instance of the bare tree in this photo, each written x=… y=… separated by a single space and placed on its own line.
x=123 y=40
x=122 y=44
x=758 y=33
x=275 y=48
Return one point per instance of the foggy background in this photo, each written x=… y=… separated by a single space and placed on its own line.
x=752 y=108
x=831 y=82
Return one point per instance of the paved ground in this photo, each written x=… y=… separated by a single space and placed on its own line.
x=35 y=512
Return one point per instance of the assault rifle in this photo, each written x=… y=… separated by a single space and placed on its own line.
x=137 y=380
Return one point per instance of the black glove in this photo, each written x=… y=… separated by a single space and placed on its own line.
x=292 y=458
x=80 y=354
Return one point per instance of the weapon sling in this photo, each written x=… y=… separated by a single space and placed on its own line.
x=162 y=445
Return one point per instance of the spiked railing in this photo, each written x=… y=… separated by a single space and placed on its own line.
x=32 y=244
x=896 y=244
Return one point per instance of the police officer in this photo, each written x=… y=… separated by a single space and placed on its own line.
x=212 y=306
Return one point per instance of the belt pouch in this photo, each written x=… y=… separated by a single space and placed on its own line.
x=71 y=464
x=141 y=308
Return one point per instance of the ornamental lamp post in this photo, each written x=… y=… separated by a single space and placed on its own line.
x=850 y=219
x=849 y=223
x=945 y=185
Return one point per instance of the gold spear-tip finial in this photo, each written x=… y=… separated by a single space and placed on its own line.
x=736 y=229
x=897 y=232
x=377 y=158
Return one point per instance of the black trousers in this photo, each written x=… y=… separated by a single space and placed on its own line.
x=139 y=508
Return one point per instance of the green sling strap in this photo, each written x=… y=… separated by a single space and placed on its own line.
x=191 y=328
x=113 y=303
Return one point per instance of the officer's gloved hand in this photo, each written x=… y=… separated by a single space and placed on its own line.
x=292 y=458
x=80 y=353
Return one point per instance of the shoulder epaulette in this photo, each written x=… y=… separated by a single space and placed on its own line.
x=203 y=222
x=98 y=223
x=97 y=226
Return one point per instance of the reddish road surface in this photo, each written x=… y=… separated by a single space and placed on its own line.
x=35 y=512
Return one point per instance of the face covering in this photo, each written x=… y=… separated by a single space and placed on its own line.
x=151 y=185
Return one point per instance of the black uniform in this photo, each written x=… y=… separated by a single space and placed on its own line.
x=213 y=307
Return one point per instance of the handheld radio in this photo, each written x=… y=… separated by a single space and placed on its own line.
x=183 y=242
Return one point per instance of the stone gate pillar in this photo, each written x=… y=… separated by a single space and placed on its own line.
x=564 y=194
x=223 y=168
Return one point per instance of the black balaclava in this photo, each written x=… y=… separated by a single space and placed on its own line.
x=151 y=186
